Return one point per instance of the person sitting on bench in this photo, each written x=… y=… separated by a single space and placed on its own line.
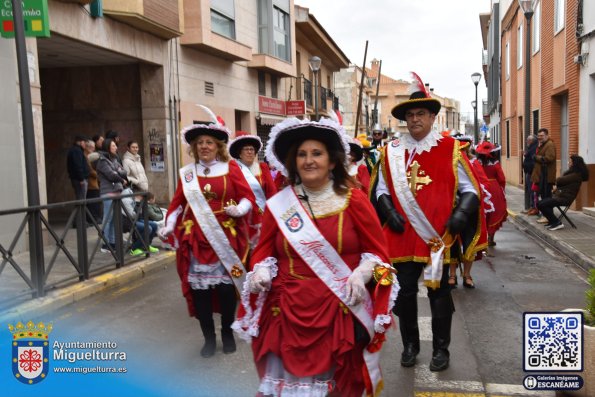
x=567 y=187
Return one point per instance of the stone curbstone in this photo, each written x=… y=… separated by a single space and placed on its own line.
x=65 y=296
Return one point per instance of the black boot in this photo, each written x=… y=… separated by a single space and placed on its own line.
x=406 y=310
x=227 y=305
x=229 y=342
x=440 y=343
x=410 y=337
x=208 y=330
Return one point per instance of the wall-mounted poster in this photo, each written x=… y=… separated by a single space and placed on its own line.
x=157 y=157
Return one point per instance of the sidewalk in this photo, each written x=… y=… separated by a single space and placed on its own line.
x=577 y=244
x=68 y=289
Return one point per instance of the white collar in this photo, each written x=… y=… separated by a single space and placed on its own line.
x=425 y=145
x=216 y=168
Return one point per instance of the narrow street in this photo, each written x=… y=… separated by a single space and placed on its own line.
x=147 y=319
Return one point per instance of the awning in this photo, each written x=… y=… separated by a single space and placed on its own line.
x=270 y=119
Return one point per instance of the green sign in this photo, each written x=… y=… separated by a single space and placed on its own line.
x=35 y=18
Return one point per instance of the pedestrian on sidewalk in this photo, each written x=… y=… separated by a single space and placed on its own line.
x=544 y=171
x=112 y=180
x=567 y=188
x=528 y=165
x=93 y=186
x=132 y=163
x=207 y=224
x=77 y=167
x=321 y=259
x=132 y=210
x=424 y=171
x=497 y=185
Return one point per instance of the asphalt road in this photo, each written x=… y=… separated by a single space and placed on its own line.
x=148 y=320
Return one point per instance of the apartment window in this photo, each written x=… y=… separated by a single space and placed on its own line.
x=507 y=60
x=262 y=85
x=536 y=27
x=559 y=15
x=223 y=18
x=274 y=81
x=273 y=28
x=519 y=47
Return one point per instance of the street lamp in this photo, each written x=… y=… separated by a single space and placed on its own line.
x=314 y=64
x=475 y=77
x=527 y=7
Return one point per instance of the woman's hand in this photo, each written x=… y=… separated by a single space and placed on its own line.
x=356 y=283
x=261 y=280
x=237 y=211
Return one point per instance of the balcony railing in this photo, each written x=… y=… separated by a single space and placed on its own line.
x=308 y=97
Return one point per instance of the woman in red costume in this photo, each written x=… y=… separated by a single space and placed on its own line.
x=244 y=149
x=460 y=251
x=357 y=169
x=491 y=166
x=317 y=301
x=206 y=221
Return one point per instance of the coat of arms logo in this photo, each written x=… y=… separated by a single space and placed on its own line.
x=30 y=351
x=294 y=223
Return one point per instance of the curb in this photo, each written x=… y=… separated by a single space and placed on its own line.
x=583 y=261
x=65 y=296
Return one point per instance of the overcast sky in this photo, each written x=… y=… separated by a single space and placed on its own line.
x=440 y=40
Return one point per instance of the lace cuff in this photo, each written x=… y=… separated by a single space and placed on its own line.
x=247 y=326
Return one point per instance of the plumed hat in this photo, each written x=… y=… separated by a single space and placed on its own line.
x=419 y=98
x=216 y=128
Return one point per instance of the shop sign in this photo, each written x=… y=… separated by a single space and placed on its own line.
x=35 y=18
x=295 y=108
x=271 y=105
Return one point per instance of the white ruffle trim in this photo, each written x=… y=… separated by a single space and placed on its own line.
x=487 y=199
x=247 y=326
x=425 y=145
x=381 y=321
x=281 y=387
x=204 y=276
x=292 y=123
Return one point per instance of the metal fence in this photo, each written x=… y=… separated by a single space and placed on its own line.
x=75 y=255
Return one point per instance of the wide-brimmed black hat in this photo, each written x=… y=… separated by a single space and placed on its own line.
x=419 y=98
x=217 y=131
x=356 y=150
x=416 y=100
x=242 y=139
x=294 y=131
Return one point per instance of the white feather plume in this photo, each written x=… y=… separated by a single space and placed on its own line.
x=210 y=113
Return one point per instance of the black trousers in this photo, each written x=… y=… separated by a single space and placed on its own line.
x=405 y=308
x=94 y=208
x=203 y=306
x=546 y=207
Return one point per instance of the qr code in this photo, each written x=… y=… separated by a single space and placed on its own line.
x=553 y=341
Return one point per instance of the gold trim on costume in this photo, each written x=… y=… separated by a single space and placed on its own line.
x=340 y=234
x=291 y=270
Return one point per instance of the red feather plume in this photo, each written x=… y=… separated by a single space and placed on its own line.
x=418 y=85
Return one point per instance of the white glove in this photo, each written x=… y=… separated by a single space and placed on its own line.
x=170 y=224
x=237 y=211
x=260 y=280
x=165 y=232
x=356 y=283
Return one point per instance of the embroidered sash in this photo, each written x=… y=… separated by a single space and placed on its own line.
x=416 y=216
x=254 y=185
x=210 y=226
x=322 y=258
